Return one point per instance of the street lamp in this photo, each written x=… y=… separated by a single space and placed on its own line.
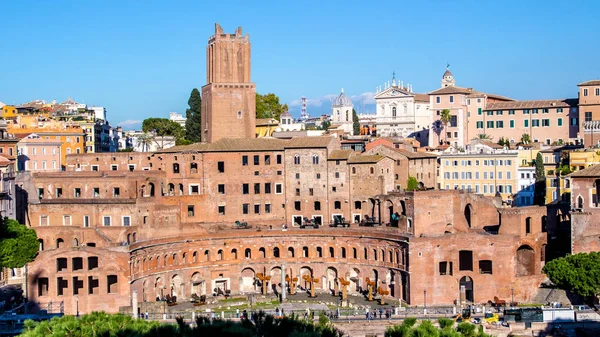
x=425 y=301
x=512 y=292
x=77 y=305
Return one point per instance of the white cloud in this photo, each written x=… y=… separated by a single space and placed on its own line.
x=130 y=122
x=365 y=97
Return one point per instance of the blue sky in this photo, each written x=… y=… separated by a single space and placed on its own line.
x=142 y=58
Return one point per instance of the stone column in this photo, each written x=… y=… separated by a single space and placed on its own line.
x=283 y=287
x=134 y=304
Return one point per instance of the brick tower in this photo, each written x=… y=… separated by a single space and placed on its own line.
x=228 y=98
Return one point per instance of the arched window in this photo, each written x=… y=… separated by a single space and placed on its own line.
x=195 y=257
x=75 y=242
x=59 y=242
x=276 y=252
x=393 y=112
x=304 y=251
x=315 y=159
x=291 y=252
x=343 y=252
x=134 y=237
x=297 y=159
x=220 y=254
x=174 y=259
x=234 y=254
x=193 y=168
x=331 y=252
x=528 y=225
x=41 y=241
x=355 y=253
x=207 y=255
x=180 y=189
x=354 y=170
x=262 y=252
x=391 y=256
x=366 y=254
x=580 y=202
x=248 y=253
x=375 y=254
x=371 y=170
x=175 y=168
x=319 y=252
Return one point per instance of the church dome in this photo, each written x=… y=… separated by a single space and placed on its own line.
x=342 y=100
x=447 y=73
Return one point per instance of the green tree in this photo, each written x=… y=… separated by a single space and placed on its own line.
x=427 y=329
x=18 y=244
x=483 y=136
x=160 y=128
x=412 y=184
x=445 y=118
x=193 y=123
x=540 y=181
x=325 y=125
x=355 y=123
x=579 y=273
x=268 y=106
x=525 y=138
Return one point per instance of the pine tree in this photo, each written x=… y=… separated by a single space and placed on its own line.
x=193 y=124
x=540 y=181
x=355 y=123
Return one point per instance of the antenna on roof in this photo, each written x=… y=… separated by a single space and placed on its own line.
x=447 y=65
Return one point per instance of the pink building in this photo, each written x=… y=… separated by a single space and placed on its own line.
x=38 y=154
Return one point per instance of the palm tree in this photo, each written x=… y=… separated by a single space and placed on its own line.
x=483 y=136
x=525 y=139
x=145 y=139
x=445 y=117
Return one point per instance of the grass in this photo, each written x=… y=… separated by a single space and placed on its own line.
x=529 y=305
x=233 y=299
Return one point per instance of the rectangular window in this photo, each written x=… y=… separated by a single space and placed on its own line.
x=96 y=192
x=267 y=188
x=511 y=112
x=194 y=189
x=317 y=206
x=535 y=123
x=191 y=210
x=585 y=92
x=221 y=210
x=311 y=191
x=545 y=122
x=443 y=267
x=106 y=221
x=297 y=205
x=479 y=111
x=278 y=188
x=512 y=123
x=257 y=209
x=479 y=124
x=588 y=116
x=526 y=123
x=245 y=208
x=297 y=192
x=245 y=188
x=244 y=160
x=485 y=267
x=559 y=121
x=499 y=112
x=489 y=113
x=534 y=111
x=267 y=159
x=256 y=160
x=126 y=221
x=490 y=124
x=525 y=111
x=257 y=188
x=86 y=221
x=451 y=99
x=66 y=220
x=221 y=166
x=221 y=188
x=438 y=100
x=94 y=167
x=59 y=192
x=278 y=159
x=268 y=208
x=499 y=124
x=465 y=260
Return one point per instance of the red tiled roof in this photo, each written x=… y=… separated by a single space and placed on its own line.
x=586 y=83
x=539 y=104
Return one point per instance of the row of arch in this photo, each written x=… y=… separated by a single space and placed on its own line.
x=397 y=256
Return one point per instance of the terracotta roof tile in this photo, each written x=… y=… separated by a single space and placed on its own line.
x=266 y=121
x=340 y=154
x=308 y=142
x=548 y=103
x=452 y=90
x=365 y=159
x=415 y=155
x=592 y=171
x=586 y=83
x=421 y=97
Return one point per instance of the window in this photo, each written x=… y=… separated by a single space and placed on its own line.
x=278 y=159
x=545 y=122
x=221 y=166
x=297 y=160
x=337 y=174
x=194 y=189
x=106 y=221
x=318 y=175
x=526 y=123
x=465 y=260
x=256 y=160
x=479 y=124
x=297 y=175
x=96 y=192
x=451 y=99
x=317 y=205
x=588 y=116
x=297 y=205
x=278 y=188
x=257 y=209
x=245 y=208
x=485 y=267
x=559 y=121
x=311 y=191
x=393 y=112
x=315 y=160
x=86 y=221
x=221 y=210
x=535 y=123
x=244 y=160
x=221 y=188
x=499 y=113
x=490 y=124
x=512 y=123
x=337 y=205
x=499 y=124
x=297 y=192
x=511 y=112
x=94 y=167
x=479 y=111
x=268 y=208
x=191 y=212
x=257 y=188
x=585 y=92
x=126 y=221
x=267 y=188
x=438 y=99
x=66 y=220
x=245 y=188
x=267 y=159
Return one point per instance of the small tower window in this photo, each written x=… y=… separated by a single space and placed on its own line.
x=239 y=114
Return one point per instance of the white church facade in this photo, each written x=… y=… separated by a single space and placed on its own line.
x=341 y=113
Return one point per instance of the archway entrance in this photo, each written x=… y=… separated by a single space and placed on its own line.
x=466 y=289
x=469 y=214
x=247 y=282
x=198 y=285
x=525 y=261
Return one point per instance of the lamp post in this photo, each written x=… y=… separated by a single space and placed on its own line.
x=512 y=293
x=77 y=305
x=425 y=301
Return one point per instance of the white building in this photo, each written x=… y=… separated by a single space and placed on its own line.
x=2 y=104
x=147 y=142
x=287 y=123
x=400 y=112
x=341 y=113
x=525 y=186
x=177 y=118
x=99 y=112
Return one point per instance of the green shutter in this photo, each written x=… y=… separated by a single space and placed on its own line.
x=479 y=111
x=512 y=123
x=560 y=122
x=526 y=121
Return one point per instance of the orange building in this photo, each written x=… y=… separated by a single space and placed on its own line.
x=71 y=136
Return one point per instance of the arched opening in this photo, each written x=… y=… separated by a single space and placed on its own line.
x=319 y=252
x=145 y=291
x=392 y=218
x=543 y=253
x=248 y=253
x=332 y=284
x=165 y=260
x=375 y=277
x=466 y=289
x=151 y=187
x=41 y=246
x=247 y=282
x=403 y=207
x=276 y=281
x=134 y=237
x=198 y=284
x=159 y=287
x=525 y=261
x=262 y=253
x=193 y=168
x=391 y=254
x=234 y=254
x=343 y=252
x=290 y=252
x=59 y=243
x=355 y=280
x=171 y=189
x=276 y=252
x=308 y=272
x=207 y=255
x=331 y=252
x=354 y=253
x=195 y=257
x=374 y=254
x=544 y=224
x=128 y=239
x=528 y=225
x=580 y=202
x=220 y=254
x=75 y=242
x=469 y=214
x=382 y=255
x=150 y=263
x=177 y=287
x=175 y=261
x=305 y=251
x=366 y=254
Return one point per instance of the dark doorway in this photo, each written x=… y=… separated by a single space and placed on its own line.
x=468 y=214
x=467 y=283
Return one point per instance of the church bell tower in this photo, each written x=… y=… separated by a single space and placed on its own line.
x=229 y=97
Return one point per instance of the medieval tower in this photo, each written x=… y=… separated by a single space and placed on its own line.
x=228 y=98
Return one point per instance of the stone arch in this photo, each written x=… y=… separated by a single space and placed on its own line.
x=248 y=280
x=177 y=286
x=262 y=253
x=198 y=284
x=276 y=281
x=75 y=242
x=375 y=277
x=525 y=265
x=305 y=270
x=220 y=256
x=59 y=242
x=331 y=278
x=469 y=215
x=466 y=289
x=193 y=167
x=290 y=252
x=159 y=287
x=248 y=253
x=305 y=251
x=331 y=252
x=234 y=254
x=150 y=262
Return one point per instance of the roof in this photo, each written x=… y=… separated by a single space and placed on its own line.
x=414 y=155
x=266 y=121
x=421 y=97
x=452 y=90
x=586 y=83
x=342 y=100
x=308 y=142
x=489 y=144
x=340 y=154
x=365 y=159
x=447 y=73
x=548 y=103
x=592 y=171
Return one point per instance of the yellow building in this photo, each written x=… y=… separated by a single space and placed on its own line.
x=582 y=159
x=8 y=112
x=70 y=135
x=265 y=127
